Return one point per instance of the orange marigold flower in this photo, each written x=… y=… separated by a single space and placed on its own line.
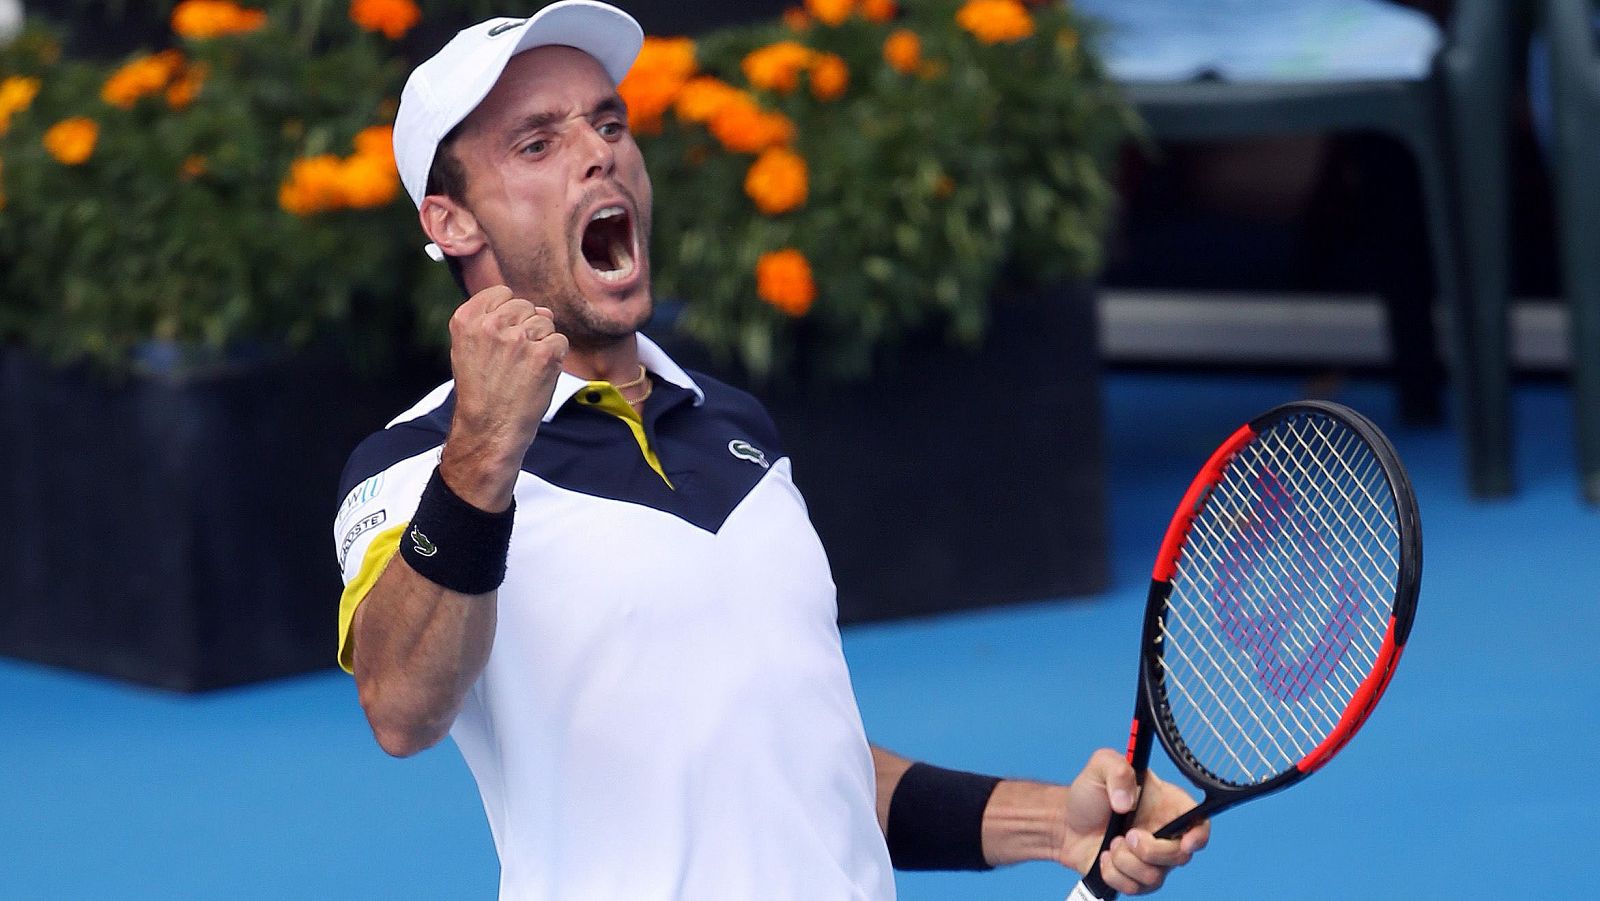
x=16 y=95
x=313 y=185
x=367 y=181
x=182 y=92
x=743 y=127
x=776 y=67
x=796 y=19
x=777 y=181
x=140 y=78
x=830 y=12
x=662 y=68
x=903 y=51
x=193 y=167
x=783 y=279
x=376 y=141
x=879 y=10
x=829 y=77
x=391 y=17
x=204 y=19
x=705 y=96
x=995 y=21
x=71 y=141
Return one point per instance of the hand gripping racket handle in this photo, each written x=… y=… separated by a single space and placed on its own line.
x=1094 y=888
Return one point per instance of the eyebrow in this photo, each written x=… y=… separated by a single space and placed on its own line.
x=535 y=121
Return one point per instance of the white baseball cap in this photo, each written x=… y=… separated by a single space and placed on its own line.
x=447 y=87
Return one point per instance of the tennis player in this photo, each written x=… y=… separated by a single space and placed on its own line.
x=592 y=568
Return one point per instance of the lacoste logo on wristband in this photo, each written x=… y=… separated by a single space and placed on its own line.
x=744 y=450
x=421 y=544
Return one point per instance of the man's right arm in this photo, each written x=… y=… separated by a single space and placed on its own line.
x=418 y=647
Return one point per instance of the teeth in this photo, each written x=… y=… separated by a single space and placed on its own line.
x=609 y=212
x=623 y=270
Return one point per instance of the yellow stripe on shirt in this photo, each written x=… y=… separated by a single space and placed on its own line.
x=605 y=396
x=384 y=546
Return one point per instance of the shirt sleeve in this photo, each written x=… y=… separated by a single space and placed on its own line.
x=371 y=519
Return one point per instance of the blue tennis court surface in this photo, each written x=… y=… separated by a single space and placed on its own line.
x=1474 y=779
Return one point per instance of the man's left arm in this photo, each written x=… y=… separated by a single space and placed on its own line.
x=950 y=820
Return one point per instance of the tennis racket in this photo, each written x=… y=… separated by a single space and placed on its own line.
x=1281 y=599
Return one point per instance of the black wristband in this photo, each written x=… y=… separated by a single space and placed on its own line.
x=936 y=819
x=454 y=544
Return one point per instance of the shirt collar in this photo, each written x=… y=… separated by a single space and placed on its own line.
x=655 y=360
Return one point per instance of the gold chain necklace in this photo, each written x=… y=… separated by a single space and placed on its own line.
x=649 y=388
x=635 y=383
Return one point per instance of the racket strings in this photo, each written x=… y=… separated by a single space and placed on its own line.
x=1321 y=574
x=1309 y=566
x=1283 y=590
x=1240 y=681
x=1368 y=502
x=1222 y=726
x=1207 y=533
x=1216 y=711
x=1222 y=713
x=1257 y=646
x=1291 y=569
x=1306 y=530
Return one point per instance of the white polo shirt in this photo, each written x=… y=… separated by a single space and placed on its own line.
x=666 y=713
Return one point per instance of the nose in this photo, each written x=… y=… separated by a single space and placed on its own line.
x=599 y=156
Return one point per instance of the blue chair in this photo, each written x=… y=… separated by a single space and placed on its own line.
x=1222 y=69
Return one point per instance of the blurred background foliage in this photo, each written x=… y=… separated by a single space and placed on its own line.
x=229 y=190
x=172 y=209
x=929 y=151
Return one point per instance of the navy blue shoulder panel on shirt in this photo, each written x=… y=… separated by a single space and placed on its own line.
x=714 y=453
x=401 y=441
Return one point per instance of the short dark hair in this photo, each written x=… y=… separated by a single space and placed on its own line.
x=448 y=177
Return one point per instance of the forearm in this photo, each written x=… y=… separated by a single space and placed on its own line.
x=418 y=648
x=1023 y=822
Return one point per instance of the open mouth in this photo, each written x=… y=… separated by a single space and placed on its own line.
x=608 y=244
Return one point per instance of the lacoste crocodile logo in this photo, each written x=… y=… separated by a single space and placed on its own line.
x=421 y=544
x=744 y=450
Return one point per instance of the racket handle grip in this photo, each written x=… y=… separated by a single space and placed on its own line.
x=1093 y=887
x=1082 y=893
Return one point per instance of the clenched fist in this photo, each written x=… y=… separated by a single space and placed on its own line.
x=506 y=355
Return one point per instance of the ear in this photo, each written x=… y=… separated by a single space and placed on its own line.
x=451 y=226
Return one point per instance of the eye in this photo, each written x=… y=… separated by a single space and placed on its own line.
x=536 y=147
x=611 y=129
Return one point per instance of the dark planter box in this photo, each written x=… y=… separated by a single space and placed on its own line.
x=176 y=531
x=956 y=479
